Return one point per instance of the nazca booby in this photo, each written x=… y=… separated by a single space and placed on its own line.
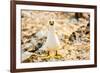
x=52 y=43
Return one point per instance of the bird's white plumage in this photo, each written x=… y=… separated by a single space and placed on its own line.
x=52 y=41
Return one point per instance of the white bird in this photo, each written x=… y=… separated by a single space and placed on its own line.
x=52 y=43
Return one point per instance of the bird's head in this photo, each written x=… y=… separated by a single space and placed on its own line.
x=51 y=23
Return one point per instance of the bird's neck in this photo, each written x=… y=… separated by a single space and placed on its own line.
x=51 y=29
